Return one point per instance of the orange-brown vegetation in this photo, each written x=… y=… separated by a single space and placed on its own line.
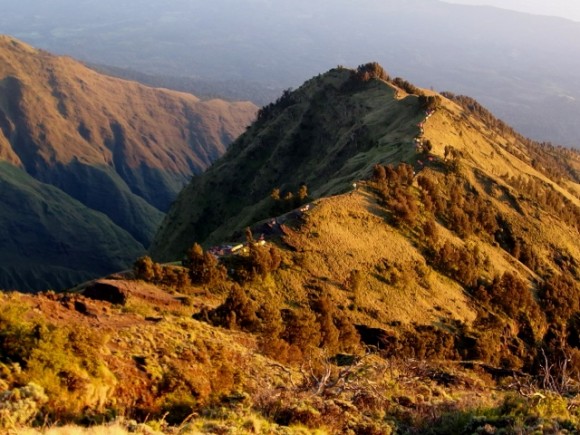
x=437 y=297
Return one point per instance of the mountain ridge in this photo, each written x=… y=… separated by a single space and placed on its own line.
x=431 y=43
x=388 y=128
x=272 y=161
x=440 y=294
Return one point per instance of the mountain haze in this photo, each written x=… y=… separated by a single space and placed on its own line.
x=117 y=147
x=523 y=67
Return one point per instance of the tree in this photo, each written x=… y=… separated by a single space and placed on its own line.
x=371 y=70
x=143 y=269
x=249 y=235
x=452 y=157
x=243 y=309
x=355 y=283
x=302 y=192
x=302 y=329
x=379 y=174
x=203 y=267
x=430 y=230
x=259 y=260
x=430 y=102
x=447 y=151
x=263 y=260
x=325 y=310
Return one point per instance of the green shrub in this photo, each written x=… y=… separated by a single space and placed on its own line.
x=203 y=267
x=20 y=406
x=18 y=337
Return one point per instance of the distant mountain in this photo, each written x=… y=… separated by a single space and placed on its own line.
x=523 y=67
x=555 y=8
x=114 y=146
x=233 y=90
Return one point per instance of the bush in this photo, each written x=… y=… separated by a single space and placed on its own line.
x=431 y=102
x=20 y=405
x=302 y=329
x=460 y=263
x=406 y=86
x=261 y=261
x=147 y=270
x=62 y=361
x=143 y=269
x=371 y=70
x=237 y=311
x=287 y=201
x=559 y=297
x=18 y=338
x=203 y=267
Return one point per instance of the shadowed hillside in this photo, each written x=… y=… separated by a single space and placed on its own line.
x=117 y=147
x=54 y=239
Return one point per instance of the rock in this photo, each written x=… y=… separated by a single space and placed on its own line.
x=106 y=291
x=81 y=307
x=377 y=337
x=154 y=319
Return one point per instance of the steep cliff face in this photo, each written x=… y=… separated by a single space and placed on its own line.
x=115 y=146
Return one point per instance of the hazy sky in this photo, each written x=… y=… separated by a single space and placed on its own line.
x=562 y=8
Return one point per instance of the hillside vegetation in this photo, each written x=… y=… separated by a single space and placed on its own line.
x=115 y=146
x=439 y=295
x=327 y=134
x=54 y=239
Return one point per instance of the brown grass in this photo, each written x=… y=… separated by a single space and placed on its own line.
x=60 y=94
x=348 y=232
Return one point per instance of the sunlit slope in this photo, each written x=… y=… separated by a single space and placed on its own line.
x=55 y=112
x=330 y=132
x=327 y=134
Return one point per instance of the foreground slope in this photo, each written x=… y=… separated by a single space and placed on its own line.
x=302 y=348
x=119 y=148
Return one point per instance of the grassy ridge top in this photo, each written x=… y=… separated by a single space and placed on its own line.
x=327 y=134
